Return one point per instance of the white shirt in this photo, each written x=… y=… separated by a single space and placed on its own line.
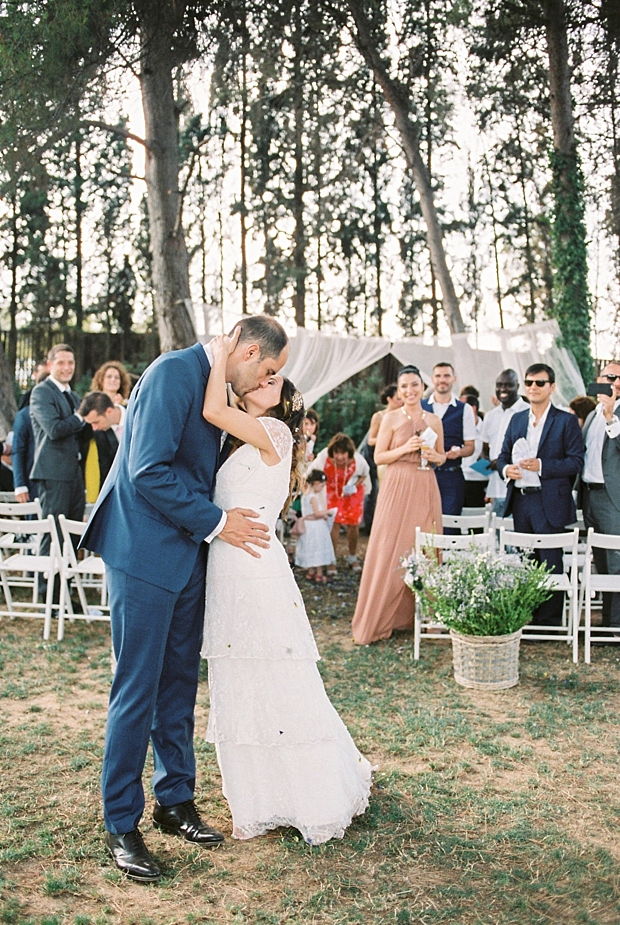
x=218 y=529
x=469 y=474
x=117 y=429
x=595 y=437
x=469 y=420
x=494 y=430
x=534 y=433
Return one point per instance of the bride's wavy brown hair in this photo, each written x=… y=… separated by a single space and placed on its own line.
x=290 y=409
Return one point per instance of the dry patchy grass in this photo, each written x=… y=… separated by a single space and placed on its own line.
x=487 y=809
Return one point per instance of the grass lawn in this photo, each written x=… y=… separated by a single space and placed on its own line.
x=487 y=808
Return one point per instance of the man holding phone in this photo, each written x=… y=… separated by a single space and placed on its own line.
x=599 y=489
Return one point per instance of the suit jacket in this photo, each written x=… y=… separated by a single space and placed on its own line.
x=610 y=458
x=561 y=451
x=156 y=508
x=23 y=450
x=56 y=429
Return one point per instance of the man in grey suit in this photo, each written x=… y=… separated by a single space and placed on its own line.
x=56 y=426
x=599 y=489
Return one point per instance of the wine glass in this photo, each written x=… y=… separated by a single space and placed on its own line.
x=424 y=467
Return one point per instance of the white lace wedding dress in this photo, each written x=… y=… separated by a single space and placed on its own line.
x=285 y=755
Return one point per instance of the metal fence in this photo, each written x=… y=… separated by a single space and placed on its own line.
x=136 y=350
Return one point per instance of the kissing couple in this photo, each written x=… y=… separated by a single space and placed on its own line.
x=187 y=540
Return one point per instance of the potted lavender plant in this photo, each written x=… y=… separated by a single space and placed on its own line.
x=485 y=600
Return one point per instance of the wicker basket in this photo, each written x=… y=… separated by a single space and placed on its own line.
x=486 y=663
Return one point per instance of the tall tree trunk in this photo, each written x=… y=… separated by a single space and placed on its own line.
x=12 y=357
x=8 y=406
x=572 y=301
x=498 y=281
x=79 y=209
x=529 y=257
x=170 y=259
x=397 y=99
x=299 y=241
x=243 y=209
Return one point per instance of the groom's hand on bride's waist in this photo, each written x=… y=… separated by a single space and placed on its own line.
x=243 y=530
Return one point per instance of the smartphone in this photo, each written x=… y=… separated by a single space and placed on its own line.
x=599 y=388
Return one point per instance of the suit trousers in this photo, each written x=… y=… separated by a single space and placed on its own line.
x=529 y=517
x=157 y=636
x=452 y=490
x=600 y=513
x=58 y=497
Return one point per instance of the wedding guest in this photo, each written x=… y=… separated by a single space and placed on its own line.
x=475 y=482
x=314 y=549
x=459 y=433
x=551 y=456
x=56 y=426
x=582 y=406
x=347 y=475
x=391 y=399
x=408 y=498
x=599 y=488
x=23 y=443
x=113 y=379
x=106 y=421
x=311 y=430
x=494 y=429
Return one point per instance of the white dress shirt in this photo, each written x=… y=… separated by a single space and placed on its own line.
x=469 y=474
x=494 y=429
x=595 y=437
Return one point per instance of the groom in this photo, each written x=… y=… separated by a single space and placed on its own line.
x=152 y=525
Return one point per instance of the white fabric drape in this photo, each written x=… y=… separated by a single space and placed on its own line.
x=319 y=362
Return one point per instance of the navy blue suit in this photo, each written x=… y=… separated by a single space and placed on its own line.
x=23 y=452
x=561 y=452
x=149 y=525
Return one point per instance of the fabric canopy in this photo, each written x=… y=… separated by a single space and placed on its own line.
x=320 y=361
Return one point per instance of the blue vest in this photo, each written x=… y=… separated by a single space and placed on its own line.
x=452 y=422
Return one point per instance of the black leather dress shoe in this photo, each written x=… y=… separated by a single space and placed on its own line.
x=131 y=855
x=184 y=820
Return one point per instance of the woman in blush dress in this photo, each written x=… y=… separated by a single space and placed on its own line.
x=408 y=498
x=285 y=755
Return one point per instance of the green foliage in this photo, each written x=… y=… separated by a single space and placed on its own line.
x=477 y=592
x=572 y=303
x=349 y=407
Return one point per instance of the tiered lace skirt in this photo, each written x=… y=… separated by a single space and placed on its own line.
x=285 y=756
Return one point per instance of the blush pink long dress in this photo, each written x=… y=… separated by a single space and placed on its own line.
x=408 y=498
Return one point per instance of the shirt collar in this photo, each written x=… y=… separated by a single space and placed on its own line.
x=451 y=402
x=60 y=385
x=542 y=419
x=209 y=353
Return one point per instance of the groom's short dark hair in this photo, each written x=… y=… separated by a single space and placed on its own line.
x=264 y=331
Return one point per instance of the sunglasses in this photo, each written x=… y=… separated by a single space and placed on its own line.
x=610 y=377
x=539 y=382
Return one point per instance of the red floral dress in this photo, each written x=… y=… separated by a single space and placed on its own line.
x=351 y=507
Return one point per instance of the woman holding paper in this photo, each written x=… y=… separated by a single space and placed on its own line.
x=410 y=442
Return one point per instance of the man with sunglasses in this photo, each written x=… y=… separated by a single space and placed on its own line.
x=543 y=504
x=599 y=488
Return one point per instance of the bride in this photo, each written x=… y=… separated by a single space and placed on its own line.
x=285 y=756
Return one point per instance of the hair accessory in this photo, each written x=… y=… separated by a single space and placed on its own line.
x=297 y=401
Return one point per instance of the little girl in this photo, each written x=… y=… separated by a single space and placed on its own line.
x=314 y=547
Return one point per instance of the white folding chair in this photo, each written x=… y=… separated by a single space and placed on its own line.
x=86 y=572
x=21 y=540
x=424 y=626
x=593 y=582
x=566 y=580
x=464 y=523
x=48 y=566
